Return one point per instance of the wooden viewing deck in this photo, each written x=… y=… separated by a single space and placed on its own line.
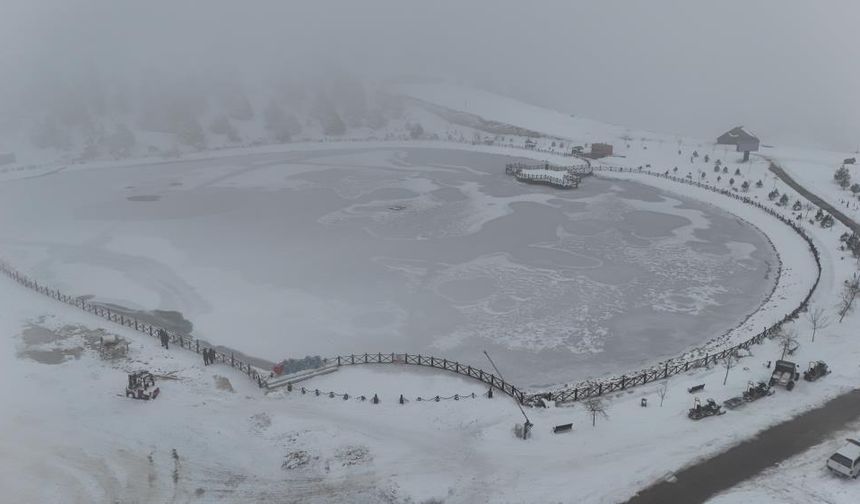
x=564 y=177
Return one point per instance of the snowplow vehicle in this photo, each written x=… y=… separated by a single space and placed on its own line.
x=141 y=385
x=699 y=411
x=784 y=374
x=816 y=370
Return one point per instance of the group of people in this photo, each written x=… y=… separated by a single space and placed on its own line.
x=164 y=338
x=208 y=353
x=208 y=356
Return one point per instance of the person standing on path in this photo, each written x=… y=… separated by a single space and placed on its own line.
x=165 y=339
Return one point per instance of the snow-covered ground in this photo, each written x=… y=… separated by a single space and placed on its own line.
x=799 y=480
x=69 y=438
x=491 y=106
x=814 y=169
x=233 y=445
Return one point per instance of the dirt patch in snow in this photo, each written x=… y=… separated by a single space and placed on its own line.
x=295 y=460
x=38 y=335
x=260 y=422
x=55 y=346
x=353 y=455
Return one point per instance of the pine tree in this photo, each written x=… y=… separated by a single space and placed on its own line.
x=325 y=112
x=842 y=177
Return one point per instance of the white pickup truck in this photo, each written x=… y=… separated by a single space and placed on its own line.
x=846 y=460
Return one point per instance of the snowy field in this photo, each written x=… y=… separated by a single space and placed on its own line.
x=814 y=169
x=213 y=437
x=427 y=251
x=234 y=444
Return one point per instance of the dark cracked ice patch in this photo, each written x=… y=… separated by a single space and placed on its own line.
x=144 y=197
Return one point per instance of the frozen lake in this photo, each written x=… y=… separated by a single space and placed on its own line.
x=420 y=250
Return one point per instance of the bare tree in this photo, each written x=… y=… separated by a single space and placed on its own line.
x=787 y=339
x=728 y=363
x=849 y=293
x=595 y=407
x=817 y=319
x=662 y=391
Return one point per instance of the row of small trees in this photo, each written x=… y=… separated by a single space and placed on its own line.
x=843 y=177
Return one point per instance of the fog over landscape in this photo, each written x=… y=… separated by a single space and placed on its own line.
x=786 y=69
x=438 y=252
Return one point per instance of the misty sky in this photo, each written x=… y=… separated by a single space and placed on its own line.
x=788 y=69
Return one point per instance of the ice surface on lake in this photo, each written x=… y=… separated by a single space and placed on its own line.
x=420 y=250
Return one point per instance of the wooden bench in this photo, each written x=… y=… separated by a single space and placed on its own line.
x=559 y=429
x=696 y=388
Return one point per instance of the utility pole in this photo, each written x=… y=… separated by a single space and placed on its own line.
x=527 y=426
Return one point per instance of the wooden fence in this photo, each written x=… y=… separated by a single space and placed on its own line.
x=184 y=341
x=434 y=362
x=673 y=366
x=261 y=376
x=575 y=393
x=568 y=176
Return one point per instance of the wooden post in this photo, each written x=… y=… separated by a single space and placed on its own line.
x=232 y=360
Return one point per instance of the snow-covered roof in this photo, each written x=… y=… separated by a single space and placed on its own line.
x=851 y=449
x=740 y=133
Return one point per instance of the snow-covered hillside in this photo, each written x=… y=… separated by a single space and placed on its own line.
x=495 y=107
x=213 y=436
x=104 y=120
